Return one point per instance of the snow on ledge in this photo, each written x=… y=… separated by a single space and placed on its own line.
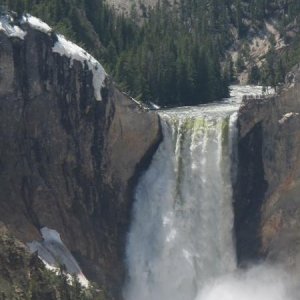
x=9 y=29
x=287 y=116
x=74 y=52
x=50 y=235
x=53 y=252
x=62 y=47
x=6 y=25
x=36 y=23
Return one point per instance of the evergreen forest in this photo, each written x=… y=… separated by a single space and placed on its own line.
x=176 y=53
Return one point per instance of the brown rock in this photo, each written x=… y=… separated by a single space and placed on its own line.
x=67 y=161
x=267 y=201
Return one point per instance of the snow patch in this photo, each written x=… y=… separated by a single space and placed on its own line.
x=36 y=23
x=287 y=116
x=52 y=251
x=62 y=46
x=81 y=278
x=50 y=235
x=9 y=29
x=74 y=52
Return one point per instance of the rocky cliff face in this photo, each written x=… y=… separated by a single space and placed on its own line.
x=267 y=192
x=68 y=161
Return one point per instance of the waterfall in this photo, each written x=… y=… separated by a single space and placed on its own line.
x=181 y=234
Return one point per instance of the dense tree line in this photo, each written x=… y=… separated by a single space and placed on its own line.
x=172 y=57
x=162 y=61
x=172 y=63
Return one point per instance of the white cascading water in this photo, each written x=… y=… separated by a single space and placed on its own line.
x=181 y=235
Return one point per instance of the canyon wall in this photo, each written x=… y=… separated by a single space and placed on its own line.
x=68 y=161
x=267 y=191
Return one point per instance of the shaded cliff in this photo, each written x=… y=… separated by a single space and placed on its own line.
x=68 y=161
x=267 y=191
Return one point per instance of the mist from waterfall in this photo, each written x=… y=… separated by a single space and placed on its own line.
x=181 y=245
x=260 y=282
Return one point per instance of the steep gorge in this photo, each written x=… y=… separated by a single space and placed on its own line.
x=71 y=163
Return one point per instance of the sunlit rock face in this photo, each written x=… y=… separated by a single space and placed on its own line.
x=267 y=206
x=71 y=148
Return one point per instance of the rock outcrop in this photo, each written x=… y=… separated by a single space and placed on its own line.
x=68 y=161
x=267 y=191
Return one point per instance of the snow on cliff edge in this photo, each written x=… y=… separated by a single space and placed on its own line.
x=74 y=52
x=36 y=23
x=6 y=25
x=62 y=46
